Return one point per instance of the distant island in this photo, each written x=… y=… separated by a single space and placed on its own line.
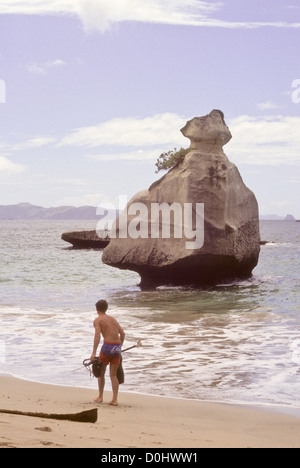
x=26 y=211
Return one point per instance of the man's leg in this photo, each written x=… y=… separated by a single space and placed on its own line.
x=114 y=384
x=101 y=385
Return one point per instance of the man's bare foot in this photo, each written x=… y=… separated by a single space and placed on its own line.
x=98 y=400
x=113 y=403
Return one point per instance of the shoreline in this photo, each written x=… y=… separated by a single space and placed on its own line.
x=279 y=408
x=140 y=421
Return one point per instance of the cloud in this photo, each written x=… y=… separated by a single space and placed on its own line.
x=43 y=68
x=87 y=199
x=266 y=140
x=268 y=105
x=262 y=140
x=8 y=167
x=103 y=14
x=161 y=129
x=37 y=7
x=32 y=143
x=138 y=155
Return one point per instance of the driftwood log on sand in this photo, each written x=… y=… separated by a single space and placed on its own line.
x=89 y=416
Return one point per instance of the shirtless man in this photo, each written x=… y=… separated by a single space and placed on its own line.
x=113 y=335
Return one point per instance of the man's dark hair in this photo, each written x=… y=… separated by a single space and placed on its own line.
x=102 y=306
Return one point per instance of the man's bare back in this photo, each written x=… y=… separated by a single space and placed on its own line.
x=110 y=329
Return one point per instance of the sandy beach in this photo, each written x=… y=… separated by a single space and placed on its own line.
x=138 y=422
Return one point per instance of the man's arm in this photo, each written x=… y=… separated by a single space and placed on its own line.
x=97 y=338
x=122 y=333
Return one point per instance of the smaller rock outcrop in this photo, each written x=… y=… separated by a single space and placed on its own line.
x=86 y=239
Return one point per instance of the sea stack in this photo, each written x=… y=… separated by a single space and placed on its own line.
x=198 y=225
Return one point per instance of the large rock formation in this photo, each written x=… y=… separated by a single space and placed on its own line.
x=223 y=246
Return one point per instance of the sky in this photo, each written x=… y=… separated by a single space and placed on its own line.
x=93 y=91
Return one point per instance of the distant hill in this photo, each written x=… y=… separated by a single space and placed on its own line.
x=273 y=217
x=26 y=211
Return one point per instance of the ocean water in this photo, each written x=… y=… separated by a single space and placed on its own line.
x=232 y=343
